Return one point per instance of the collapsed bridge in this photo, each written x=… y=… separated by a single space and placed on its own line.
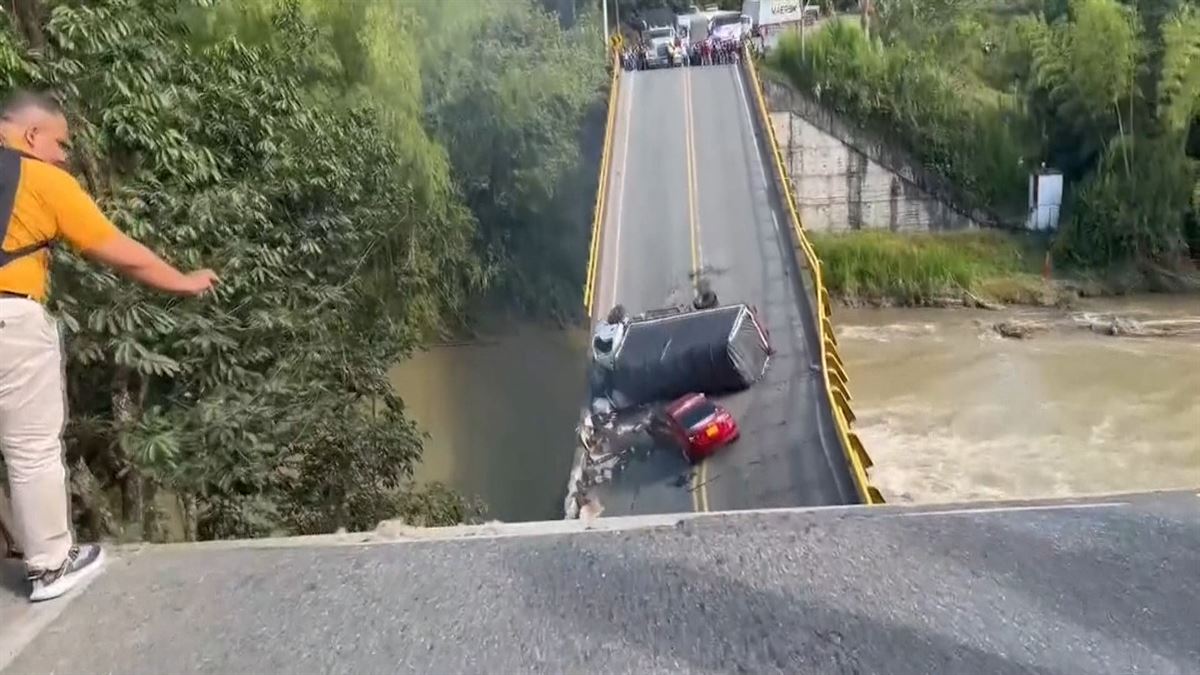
x=692 y=187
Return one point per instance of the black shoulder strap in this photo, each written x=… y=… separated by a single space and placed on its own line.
x=10 y=178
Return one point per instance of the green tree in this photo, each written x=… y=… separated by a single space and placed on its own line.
x=1134 y=204
x=509 y=95
x=510 y=101
x=1082 y=77
x=1107 y=92
x=360 y=174
x=1178 y=85
x=905 y=93
x=267 y=407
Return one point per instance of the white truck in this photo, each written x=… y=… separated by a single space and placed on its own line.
x=777 y=14
x=663 y=354
x=729 y=26
x=661 y=49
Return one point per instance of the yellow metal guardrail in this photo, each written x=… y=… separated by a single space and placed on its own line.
x=833 y=372
x=589 y=288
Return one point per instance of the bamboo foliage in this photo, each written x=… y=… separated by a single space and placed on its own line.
x=1179 y=84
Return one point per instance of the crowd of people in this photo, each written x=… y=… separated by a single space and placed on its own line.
x=707 y=52
x=711 y=52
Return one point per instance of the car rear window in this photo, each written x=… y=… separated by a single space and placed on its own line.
x=695 y=414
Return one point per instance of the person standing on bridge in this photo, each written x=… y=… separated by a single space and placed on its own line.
x=41 y=204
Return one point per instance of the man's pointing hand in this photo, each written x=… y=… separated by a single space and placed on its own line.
x=200 y=282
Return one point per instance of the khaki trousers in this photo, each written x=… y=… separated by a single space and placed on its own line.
x=33 y=406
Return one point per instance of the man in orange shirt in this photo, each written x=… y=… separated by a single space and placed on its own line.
x=40 y=204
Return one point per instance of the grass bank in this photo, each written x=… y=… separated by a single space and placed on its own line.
x=885 y=268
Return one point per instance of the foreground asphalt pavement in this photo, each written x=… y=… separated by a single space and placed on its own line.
x=689 y=190
x=1104 y=587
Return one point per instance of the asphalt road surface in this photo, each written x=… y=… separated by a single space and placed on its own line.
x=1101 y=588
x=689 y=191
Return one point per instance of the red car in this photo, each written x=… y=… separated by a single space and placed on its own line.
x=698 y=425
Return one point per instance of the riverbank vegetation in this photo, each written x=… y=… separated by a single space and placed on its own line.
x=985 y=93
x=931 y=269
x=359 y=174
x=983 y=268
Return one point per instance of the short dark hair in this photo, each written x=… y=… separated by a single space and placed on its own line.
x=23 y=99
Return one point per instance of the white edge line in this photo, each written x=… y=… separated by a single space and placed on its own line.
x=762 y=171
x=616 y=252
x=694 y=188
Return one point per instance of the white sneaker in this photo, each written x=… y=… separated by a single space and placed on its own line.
x=81 y=564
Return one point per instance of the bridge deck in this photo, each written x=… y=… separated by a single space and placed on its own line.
x=1105 y=587
x=689 y=189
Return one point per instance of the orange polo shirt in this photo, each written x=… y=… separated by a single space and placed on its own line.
x=50 y=205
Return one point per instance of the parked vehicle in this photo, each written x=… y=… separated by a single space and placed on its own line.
x=725 y=27
x=776 y=15
x=661 y=49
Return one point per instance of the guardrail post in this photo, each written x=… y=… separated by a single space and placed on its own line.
x=857 y=446
x=839 y=397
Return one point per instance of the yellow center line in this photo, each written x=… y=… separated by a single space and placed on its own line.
x=699 y=480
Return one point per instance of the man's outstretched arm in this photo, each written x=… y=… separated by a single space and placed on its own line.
x=89 y=231
x=134 y=260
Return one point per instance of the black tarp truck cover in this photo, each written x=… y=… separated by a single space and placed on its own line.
x=712 y=351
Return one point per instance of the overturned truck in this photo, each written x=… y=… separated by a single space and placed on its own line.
x=641 y=362
x=668 y=353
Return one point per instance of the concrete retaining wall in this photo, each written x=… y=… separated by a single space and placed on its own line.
x=845 y=180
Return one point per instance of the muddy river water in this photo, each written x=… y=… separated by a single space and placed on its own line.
x=501 y=417
x=948 y=409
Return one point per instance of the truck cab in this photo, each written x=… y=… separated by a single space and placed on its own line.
x=660 y=46
x=606 y=342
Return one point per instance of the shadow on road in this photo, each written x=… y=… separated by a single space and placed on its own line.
x=12 y=581
x=714 y=621
x=1110 y=568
